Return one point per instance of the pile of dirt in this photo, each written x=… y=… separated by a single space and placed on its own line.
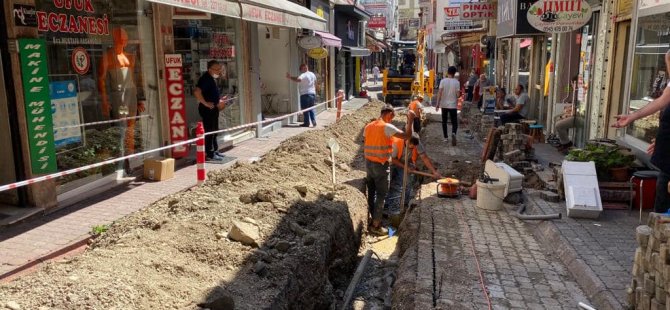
x=177 y=252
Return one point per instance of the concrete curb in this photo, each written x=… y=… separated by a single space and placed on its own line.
x=74 y=247
x=548 y=234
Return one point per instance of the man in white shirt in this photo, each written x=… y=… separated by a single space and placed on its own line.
x=375 y=73
x=307 y=88
x=447 y=100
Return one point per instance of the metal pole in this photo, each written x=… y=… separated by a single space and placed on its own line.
x=404 y=176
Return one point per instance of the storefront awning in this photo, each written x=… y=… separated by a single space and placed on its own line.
x=216 y=7
x=357 y=51
x=281 y=13
x=272 y=12
x=329 y=39
x=375 y=45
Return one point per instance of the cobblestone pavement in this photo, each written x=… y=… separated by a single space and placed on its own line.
x=598 y=252
x=25 y=244
x=518 y=272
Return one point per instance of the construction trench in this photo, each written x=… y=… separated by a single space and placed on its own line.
x=277 y=234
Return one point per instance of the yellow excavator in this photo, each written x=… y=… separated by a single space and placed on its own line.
x=407 y=76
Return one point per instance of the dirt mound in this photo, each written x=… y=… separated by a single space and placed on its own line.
x=176 y=253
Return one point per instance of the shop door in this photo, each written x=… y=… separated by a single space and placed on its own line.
x=618 y=78
x=7 y=168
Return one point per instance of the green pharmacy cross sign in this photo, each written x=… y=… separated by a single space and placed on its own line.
x=38 y=105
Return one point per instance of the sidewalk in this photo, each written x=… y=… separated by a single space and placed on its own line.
x=598 y=253
x=28 y=244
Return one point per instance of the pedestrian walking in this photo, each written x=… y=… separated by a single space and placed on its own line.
x=415 y=106
x=447 y=100
x=307 y=89
x=210 y=103
x=660 y=147
x=375 y=73
x=377 y=150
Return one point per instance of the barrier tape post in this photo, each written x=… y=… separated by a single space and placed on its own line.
x=340 y=95
x=200 y=153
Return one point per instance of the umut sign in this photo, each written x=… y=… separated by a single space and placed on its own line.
x=35 y=79
x=177 y=111
x=557 y=16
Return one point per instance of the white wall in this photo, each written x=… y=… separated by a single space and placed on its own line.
x=274 y=63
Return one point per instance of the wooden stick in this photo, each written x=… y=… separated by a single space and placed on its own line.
x=354 y=280
x=404 y=175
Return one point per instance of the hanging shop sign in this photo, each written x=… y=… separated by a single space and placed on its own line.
x=25 y=15
x=35 y=79
x=318 y=53
x=176 y=109
x=377 y=22
x=65 y=113
x=512 y=20
x=477 y=11
x=81 y=61
x=552 y=16
x=448 y=18
x=309 y=42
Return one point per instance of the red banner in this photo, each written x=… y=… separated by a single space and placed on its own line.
x=377 y=22
x=176 y=109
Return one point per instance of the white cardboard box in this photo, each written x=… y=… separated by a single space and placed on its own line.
x=582 y=195
x=512 y=179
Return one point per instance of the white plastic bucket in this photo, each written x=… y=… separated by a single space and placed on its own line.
x=490 y=195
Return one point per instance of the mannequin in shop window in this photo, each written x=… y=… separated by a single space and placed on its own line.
x=117 y=85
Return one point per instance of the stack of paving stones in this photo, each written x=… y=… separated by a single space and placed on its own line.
x=650 y=286
x=514 y=148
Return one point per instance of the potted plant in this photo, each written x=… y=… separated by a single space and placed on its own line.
x=618 y=164
x=612 y=163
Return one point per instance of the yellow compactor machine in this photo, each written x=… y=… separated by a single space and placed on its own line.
x=407 y=75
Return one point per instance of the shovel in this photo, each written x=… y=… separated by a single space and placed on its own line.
x=334 y=148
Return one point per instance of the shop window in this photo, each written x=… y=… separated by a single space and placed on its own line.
x=200 y=41
x=101 y=68
x=649 y=74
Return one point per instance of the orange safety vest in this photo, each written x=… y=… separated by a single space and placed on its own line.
x=378 y=147
x=400 y=145
x=414 y=106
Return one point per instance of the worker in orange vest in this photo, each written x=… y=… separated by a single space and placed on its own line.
x=416 y=106
x=392 y=204
x=377 y=150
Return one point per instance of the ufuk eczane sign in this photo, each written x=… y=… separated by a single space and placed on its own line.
x=558 y=16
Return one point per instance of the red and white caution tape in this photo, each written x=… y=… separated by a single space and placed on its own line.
x=269 y=120
x=167 y=147
x=103 y=122
x=91 y=166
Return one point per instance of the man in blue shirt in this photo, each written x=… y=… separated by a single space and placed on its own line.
x=209 y=104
